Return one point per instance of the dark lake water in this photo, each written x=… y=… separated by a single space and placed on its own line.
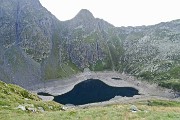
x=91 y=91
x=44 y=94
x=117 y=78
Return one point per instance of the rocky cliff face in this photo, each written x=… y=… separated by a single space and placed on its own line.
x=25 y=33
x=35 y=46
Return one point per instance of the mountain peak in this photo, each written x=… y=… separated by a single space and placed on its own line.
x=84 y=14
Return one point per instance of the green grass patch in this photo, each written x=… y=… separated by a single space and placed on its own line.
x=169 y=79
x=171 y=84
x=164 y=103
x=110 y=112
x=11 y=96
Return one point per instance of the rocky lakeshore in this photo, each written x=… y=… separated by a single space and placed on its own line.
x=146 y=90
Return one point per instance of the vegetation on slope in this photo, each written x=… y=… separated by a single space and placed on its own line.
x=169 y=79
x=157 y=110
x=57 y=65
x=11 y=96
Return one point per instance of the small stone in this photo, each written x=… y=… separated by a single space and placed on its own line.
x=51 y=107
x=21 y=107
x=134 y=111
x=5 y=106
x=29 y=105
x=40 y=109
x=32 y=109
x=5 y=84
x=26 y=99
x=69 y=105
x=146 y=111
x=64 y=108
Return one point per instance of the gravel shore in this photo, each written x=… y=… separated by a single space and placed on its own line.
x=147 y=90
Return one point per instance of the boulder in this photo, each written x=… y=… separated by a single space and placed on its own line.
x=133 y=108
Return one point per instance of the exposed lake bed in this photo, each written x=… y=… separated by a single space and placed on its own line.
x=145 y=90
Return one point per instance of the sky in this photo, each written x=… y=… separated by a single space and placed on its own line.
x=118 y=12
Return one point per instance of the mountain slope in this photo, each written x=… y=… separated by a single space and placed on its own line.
x=152 y=53
x=35 y=46
x=25 y=39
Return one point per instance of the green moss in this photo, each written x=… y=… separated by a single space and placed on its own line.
x=73 y=67
x=101 y=65
x=54 y=73
x=62 y=71
x=168 y=79
x=15 y=59
x=164 y=103
x=147 y=75
x=172 y=84
x=92 y=38
x=175 y=72
x=98 y=66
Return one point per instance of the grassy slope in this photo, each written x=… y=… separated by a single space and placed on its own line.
x=56 y=66
x=11 y=96
x=156 y=111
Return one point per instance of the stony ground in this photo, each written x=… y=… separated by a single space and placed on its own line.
x=147 y=90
